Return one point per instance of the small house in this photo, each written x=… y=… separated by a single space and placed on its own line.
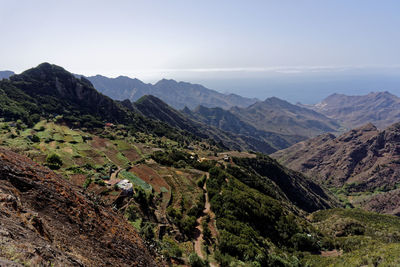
x=126 y=187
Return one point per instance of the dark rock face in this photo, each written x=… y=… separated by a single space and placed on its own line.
x=45 y=220
x=364 y=160
x=381 y=108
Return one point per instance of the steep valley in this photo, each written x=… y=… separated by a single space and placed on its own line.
x=90 y=181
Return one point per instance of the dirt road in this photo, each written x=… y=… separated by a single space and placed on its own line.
x=207 y=211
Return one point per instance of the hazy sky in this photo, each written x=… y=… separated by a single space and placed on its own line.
x=200 y=39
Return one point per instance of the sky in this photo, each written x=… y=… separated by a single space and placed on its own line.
x=297 y=49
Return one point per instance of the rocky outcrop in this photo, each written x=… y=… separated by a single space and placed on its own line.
x=44 y=221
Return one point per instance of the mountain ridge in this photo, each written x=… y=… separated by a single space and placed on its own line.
x=279 y=116
x=364 y=160
x=380 y=108
x=6 y=74
x=155 y=108
x=176 y=94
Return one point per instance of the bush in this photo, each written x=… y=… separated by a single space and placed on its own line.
x=146 y=231
x=87 y=182
x=35 y=139
x=53 y=161
x=132 y=212
x=171 y=248
x=35 y=118
x=305 y=242
x=224 y=260
x=206 y=232
x=277 y=261
x=174 y=214
x=188 y=225
x=196 y=261
x=201 y=181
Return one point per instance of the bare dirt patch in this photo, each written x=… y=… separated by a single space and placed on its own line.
x=151 y=177
x=331 y=253
x=131 y=154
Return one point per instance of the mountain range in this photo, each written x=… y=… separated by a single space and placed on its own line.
x=6 y=74
x=99 y=146
x=274 y=121
x=380 y=108
x=154 y=108
x=175 y=94
x=91 y=181
x=364 y=164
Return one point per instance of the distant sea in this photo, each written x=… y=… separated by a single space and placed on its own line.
x=306 y=89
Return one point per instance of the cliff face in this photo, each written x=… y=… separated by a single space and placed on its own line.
x=45 y=220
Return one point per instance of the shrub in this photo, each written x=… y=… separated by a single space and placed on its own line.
x=174 y=214
x=53 y=161
x=35 y=118
x=35 y=139
x=188 y=225
x=146 y=231
x=305 y=242
x=196 y=261
x=171 y=248
x=131 y=213
x=87 y=182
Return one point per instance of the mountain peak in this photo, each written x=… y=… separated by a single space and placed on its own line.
x=166 y=81
x=367 y=128
x=150 y=98
x=45 y=71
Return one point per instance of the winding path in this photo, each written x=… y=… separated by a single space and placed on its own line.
x=198 y=242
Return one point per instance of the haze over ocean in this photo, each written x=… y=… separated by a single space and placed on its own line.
x=297 y=50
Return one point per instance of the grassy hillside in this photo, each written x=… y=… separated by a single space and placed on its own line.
x=168 y=199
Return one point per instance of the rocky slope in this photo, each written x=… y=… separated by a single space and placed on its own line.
x=362 y=161
x=227 y=121
x=153 y=107
x=281 y=117
x=47 y=221
x=381 y=109
x=175 y=94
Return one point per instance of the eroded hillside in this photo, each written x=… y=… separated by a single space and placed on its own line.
x=46 y=220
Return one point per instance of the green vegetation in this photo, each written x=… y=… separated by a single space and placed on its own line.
x=53 y=161
x=265 y=214
x=361 y=237
x=196 y=261
x=135 y=180
x=250 y=223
